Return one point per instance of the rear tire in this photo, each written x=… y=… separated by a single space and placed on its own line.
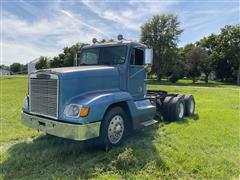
x=113 y=128
x=189 y=105
x=165 y=109
x=177 y=109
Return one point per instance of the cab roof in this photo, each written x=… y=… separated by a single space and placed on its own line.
x=115 y=43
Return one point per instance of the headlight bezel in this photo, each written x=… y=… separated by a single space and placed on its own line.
x=83 y=111
x=69 y=110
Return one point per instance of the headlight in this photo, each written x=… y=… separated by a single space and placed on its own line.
x=75 y=110
x=72 y=110
x=25 y=104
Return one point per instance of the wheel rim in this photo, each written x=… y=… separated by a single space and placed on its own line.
x=115 y=129
x=181 y=110
x=191 y=107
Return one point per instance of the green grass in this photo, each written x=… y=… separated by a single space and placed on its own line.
x=188 y=82
x=204 y=146
x=13 y=92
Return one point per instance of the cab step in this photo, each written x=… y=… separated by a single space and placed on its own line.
x=148 y=123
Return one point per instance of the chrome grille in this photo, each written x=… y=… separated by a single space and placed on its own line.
x=44 y=96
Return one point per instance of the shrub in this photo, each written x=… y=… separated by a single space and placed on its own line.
x=125 y=159
x=173 y=78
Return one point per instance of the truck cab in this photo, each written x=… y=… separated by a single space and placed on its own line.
x=103 y=96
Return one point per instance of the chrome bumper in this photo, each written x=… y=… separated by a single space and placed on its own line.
x=62 y=129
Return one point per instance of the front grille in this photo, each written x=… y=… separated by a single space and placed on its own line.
x=44 y=96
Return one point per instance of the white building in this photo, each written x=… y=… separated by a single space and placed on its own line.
x=4 y=72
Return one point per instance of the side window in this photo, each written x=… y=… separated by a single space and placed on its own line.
x=136 y=57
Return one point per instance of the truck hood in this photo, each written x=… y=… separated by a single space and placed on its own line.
x=79 y=68
x=81 y=71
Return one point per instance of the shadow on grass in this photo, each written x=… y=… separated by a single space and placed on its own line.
x=194 y=117
x=186 y=120
x=49 y=157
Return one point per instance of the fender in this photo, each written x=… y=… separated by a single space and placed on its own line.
x=98 y=104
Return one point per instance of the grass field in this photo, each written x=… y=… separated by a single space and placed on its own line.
x=204 y=146
x=188 y=82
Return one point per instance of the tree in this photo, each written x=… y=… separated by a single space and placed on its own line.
x=103 y=41
x=229 y=49
x=194 y=59
x=42 y=63
x=181 y=64
x=55 y=62
x=69 y=54
x=161 y=33
x=206 y=65
x=24 y=68
x=224 y=52
x=178 y=68
x=208 y=44
x=15 y=67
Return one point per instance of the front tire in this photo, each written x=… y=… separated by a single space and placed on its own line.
x=113 y=128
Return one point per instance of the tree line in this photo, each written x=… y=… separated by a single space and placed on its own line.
x=16 y=68
x=217 y=55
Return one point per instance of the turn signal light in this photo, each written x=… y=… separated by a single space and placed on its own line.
x=84 y=111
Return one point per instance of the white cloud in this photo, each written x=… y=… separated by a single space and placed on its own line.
x=58 y=26
x=29 y=8
x=77 y=20
x=102 y=11
x=47 y=29
x=200 y=19
x=23 y=53
x=67 y=13
x=129 y=15
x=24 y=40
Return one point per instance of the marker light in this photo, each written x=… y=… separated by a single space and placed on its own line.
x=120 y=37
x=94 y=40
x=84 y=111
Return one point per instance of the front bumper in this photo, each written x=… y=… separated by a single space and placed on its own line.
x=62 y=129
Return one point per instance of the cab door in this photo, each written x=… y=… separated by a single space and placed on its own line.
x=136 y=74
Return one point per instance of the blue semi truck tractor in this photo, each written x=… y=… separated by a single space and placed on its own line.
x=103 y=96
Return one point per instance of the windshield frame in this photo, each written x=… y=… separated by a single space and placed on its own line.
x=100 y=54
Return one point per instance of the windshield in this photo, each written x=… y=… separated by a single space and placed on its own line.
x=103 y=55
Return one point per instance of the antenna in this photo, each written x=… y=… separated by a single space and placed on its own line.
x=75 y=59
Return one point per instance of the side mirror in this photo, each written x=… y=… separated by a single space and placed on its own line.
x=148 y=57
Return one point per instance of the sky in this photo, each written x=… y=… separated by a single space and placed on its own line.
x=30 y=29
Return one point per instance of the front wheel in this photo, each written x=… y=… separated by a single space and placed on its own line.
x=113 y=127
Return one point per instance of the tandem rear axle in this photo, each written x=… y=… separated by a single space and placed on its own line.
x=172 y=107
